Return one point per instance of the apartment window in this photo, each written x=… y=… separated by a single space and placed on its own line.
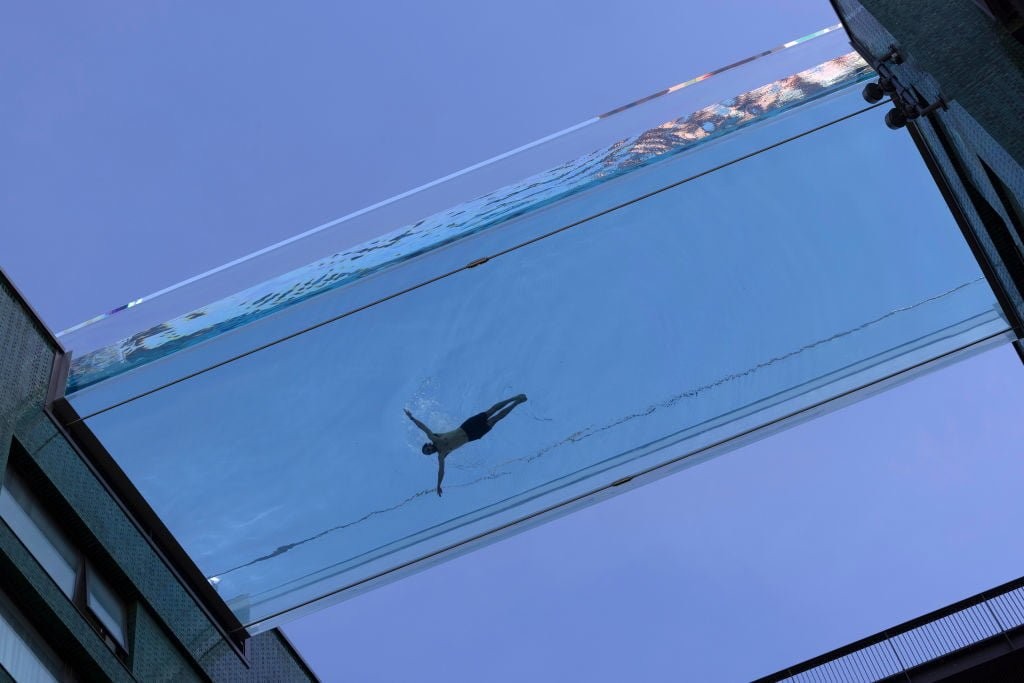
x=64 y=561
x=39 y=534
x=23 y=653
x=1010 y=202
x=105 y=605
x=1009 y=13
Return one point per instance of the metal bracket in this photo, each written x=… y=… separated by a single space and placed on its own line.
x=907 y=103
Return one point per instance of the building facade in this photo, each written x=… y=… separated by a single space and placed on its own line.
x=92 y=588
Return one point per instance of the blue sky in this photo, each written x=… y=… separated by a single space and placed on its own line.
x=160 y=140
x=761 y=558
x=145 y=143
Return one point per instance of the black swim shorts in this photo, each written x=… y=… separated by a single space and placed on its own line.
x=476 y=426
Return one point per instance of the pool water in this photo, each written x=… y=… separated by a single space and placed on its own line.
x=650 y=316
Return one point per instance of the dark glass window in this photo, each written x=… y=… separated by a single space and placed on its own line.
x=63 y=561
x=1011 y=202
x=36 y=529
x=23 y=653
x=104 y=604
x=1009 y=13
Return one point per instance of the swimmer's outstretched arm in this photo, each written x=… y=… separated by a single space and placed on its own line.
x=440 y=473
x=425 y=428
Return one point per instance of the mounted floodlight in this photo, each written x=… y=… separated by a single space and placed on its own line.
x=895 y=119
x=873 y=93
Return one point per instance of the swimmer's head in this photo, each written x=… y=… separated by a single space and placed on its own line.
x=429 y=449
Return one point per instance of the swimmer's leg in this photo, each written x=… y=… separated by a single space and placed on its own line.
x=519 y=398
x=502 y=412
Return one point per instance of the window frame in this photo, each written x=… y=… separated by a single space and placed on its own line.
x=34 y=642
x=1008 y=13
x=57 y=538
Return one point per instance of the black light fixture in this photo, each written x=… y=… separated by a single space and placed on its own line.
x=873 y=93
x=908 y=104
x=895 y=119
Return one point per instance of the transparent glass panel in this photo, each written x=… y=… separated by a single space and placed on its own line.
x=106 y=606
x=23 y=654
x=503 y=220
x=36 y=529
x=642 y=336
x=690 y=114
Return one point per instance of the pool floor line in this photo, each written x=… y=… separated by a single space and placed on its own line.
x=618 y=457
x=662 y=469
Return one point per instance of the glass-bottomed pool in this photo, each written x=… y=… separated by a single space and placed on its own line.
x=692 y=294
